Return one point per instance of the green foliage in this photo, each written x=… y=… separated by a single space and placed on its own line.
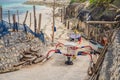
x=101 y=2
x=93 y=1
x=73 y=1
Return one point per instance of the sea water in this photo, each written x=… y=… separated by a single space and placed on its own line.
x=14 y=5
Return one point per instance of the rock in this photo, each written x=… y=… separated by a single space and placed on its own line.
x=110 y=68
x=12 y=55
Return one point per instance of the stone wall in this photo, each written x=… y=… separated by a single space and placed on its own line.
x=111 y=65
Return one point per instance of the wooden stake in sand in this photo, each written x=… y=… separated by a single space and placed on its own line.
x=14 y=21
x=0 y=13
x=61 y=15
x=18 y=15
x=64 y=12
x=64 y=15
x=30 y=21
x=68 y=25
x=25 y=17
x=9 y=16
x=35 y=22
x=39 y=24
x=25 y=21
x=53 y=22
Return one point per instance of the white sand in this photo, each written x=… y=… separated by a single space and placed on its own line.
x=54 y=69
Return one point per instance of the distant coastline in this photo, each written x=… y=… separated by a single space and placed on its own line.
x=47 y=3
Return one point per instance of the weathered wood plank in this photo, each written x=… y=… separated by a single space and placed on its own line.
x=102 y=22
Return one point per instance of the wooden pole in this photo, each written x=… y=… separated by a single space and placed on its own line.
x=88 y=31
x=0 y=13
x=14 y=18
x=53 y=22
x=94 y=31
x=25 y=17
x=18 y=15
x=30 y=20
x=39 y=25
x=64 y=12
x=35 y=22
x=64 y=16
x=65 y=23
x=9 y=16
x=68 y=25
x=102 y=22
x=61 y=15
x=24 y=22
x=97 y=34
x=14 y=21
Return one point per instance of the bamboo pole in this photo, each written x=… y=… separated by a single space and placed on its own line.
x=14 y=18
x=96 y=34
x=39 y=25
x=35 y=21
x=18 y=15
x=9 y=16
x=65 y=23
x=102 y=22
x=88 y=31
x=24 y=22
x=68 y=25
x=0 y=13
x=64 y=16
x=25 y=17
x=61 y=15
x=30 y=21
x=14 y=21
x=53 y=22
x=64 y=12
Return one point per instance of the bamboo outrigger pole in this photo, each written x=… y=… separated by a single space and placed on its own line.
x=53 y=21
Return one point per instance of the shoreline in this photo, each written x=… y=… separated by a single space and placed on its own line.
x=45 y=3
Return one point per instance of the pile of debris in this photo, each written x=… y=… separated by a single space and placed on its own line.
x=17 y=51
